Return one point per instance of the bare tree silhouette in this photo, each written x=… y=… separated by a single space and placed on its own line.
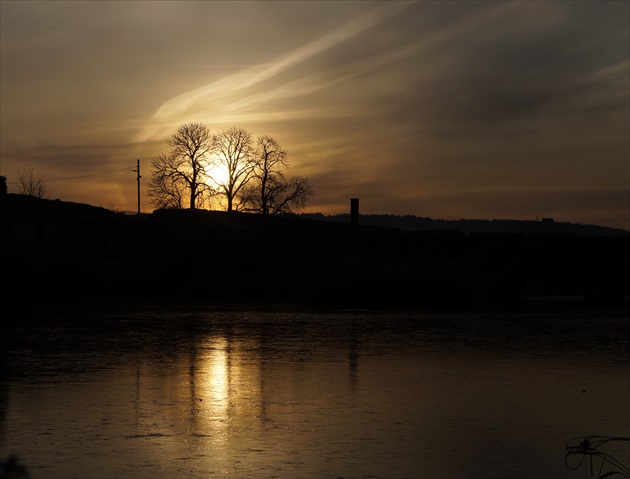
x=165 y=189
x=271 y=192
x=32 y=181
x=234 y=163
x=179 y=176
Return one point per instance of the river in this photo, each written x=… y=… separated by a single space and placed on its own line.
x=200 y=393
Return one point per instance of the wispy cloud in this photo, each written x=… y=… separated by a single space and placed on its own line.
x=221 y=90
x=241 y=95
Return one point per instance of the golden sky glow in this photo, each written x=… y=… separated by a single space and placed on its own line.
x=510 y=110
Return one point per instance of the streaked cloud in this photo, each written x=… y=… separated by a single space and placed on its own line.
x=448 y=109
x=223 y=90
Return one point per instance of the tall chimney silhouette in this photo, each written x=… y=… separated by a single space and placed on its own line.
x=354 y=211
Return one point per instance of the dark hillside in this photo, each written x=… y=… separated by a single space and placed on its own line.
x=546 y=226
x=55 y=251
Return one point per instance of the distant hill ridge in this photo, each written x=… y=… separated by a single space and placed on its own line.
x=410 y=223
x=405 y=223
x=62 y=252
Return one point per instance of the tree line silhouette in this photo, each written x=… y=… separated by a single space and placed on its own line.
x=231 y=168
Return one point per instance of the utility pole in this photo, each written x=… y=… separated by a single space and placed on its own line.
x=137 y=170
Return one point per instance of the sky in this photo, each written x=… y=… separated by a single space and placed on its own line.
x=445 y=109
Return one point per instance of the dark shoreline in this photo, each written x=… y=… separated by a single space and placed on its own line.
x=56 y=253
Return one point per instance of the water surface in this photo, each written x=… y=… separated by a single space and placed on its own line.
x=199 y=394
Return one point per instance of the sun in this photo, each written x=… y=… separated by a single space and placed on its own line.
x=218 y=174
x=218 y=180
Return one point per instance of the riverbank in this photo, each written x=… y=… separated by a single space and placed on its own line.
x=54 y=252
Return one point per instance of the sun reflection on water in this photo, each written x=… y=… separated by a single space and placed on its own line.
x=211 y=389
x=225 y=388
x=217 y=366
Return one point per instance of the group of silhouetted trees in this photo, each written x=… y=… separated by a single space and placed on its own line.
x=231 y=168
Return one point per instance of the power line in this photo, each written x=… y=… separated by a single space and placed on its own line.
x=85 y=176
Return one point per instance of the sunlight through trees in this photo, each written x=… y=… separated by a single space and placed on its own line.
x=230 y=170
